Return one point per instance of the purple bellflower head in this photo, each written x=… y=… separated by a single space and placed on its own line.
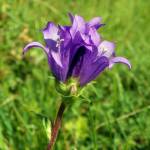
x=77 y=51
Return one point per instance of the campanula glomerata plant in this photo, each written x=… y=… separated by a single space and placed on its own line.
x=76 y=55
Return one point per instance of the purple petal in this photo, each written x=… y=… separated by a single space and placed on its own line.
x=64 y=34
x=61 y=54
x=82 y=39
x=57 y=71
x=106 y=49
x=50 y=31
x=51 y=36
x=119 y=60
x=95 y=37
x=95 y=22
x=78 y=25
x=57 y=57
x=76 y=62
x=85 y=38
x=90 y=68
x=35 y=44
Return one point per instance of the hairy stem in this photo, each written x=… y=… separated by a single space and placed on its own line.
x=56 y=126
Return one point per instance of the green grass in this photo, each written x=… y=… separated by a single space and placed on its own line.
x=118 y=116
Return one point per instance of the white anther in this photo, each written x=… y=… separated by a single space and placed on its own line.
x=59 y=41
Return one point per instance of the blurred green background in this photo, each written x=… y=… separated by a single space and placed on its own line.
x=118 y=116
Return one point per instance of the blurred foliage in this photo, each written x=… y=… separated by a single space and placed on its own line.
x=117 y=116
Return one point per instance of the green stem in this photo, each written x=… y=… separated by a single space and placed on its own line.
x=56 y=126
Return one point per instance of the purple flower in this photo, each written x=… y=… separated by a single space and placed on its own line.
x=77 y=50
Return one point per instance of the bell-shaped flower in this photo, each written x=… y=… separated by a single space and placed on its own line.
x=77 y=51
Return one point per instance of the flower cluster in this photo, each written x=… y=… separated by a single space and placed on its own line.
x=77 y=51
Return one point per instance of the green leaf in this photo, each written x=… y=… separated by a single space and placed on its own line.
x=47 y=127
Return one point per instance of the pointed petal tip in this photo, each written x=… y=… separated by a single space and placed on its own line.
x=95 y=22
x=120 y=60
x=129 y=66
x=103 y=24
x=47 y=25
x=71 y=16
